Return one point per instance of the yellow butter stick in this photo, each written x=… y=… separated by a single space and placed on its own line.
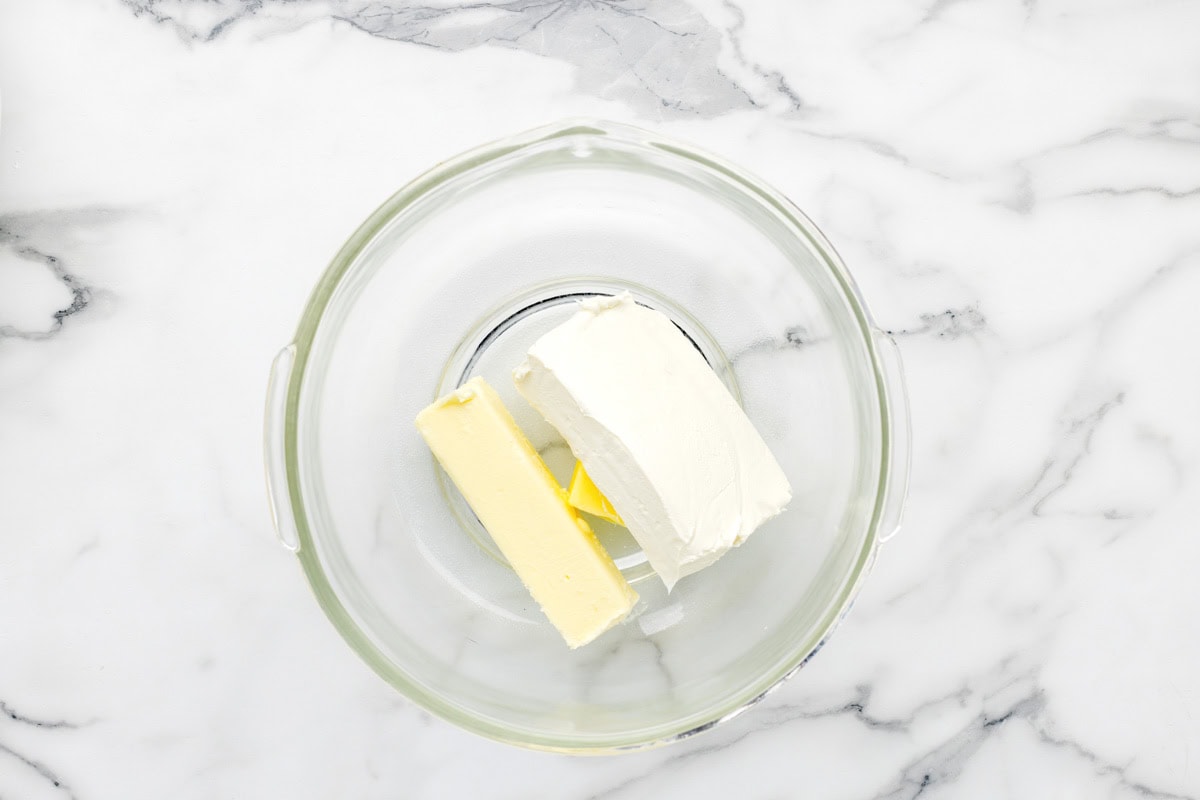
x=585 y=496
x=507 y=485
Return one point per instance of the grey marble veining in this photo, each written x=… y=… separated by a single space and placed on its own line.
x=661 y=57
x=22 y=235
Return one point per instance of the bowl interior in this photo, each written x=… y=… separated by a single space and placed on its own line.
x=455 y=277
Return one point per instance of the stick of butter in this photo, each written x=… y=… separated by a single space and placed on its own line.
x=507 y=485
x=584 y=495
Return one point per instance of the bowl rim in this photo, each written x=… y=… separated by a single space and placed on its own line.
x=301 y=348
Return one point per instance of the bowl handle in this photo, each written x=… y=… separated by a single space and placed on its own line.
x=899 y=452
x=273 y=451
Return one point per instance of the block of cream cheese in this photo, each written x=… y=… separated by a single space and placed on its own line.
x=525 y=511
x=657 y=432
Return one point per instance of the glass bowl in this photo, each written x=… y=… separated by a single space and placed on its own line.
x=455 y=276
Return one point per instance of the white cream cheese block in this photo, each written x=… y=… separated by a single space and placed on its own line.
x=657 y=432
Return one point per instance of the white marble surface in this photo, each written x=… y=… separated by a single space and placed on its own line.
x=1016 y=184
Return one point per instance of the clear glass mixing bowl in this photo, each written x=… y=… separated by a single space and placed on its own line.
x=455 y=276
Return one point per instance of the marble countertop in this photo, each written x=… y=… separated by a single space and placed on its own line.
x=1015 y=184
